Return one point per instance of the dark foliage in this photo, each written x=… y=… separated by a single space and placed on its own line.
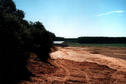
x=102 y=40
x=74 y=40
x=17 y=39
x=93 y=39
x=59 y=39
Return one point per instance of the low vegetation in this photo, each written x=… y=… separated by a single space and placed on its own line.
x=96 y=45
x=95 y=41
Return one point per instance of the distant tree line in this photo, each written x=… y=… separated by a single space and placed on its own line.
x=101 y=40
x=18 y=38
x=59 y=39
x=94 y=39
x=66 y=39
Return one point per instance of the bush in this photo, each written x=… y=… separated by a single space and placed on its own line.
x=18 y=39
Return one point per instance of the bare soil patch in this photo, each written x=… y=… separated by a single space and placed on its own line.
x=80 y=65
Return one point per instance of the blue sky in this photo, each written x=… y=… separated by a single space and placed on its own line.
x=74 y=18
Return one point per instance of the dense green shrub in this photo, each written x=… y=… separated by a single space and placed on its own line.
x=18 y=38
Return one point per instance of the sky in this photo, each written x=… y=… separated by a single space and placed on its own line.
x=75 y=18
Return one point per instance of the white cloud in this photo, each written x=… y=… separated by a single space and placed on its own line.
x=111 y=12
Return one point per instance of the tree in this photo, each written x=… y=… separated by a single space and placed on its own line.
x=42 y=41
x=18 y=39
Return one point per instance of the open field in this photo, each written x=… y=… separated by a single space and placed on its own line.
x=73 y=44
x=80 y=65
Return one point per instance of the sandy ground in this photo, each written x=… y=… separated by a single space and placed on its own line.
x=80 y=65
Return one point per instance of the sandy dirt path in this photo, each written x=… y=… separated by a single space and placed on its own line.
x=77 y=65
x=82 y=54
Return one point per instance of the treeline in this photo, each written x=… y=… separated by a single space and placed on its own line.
x=18 y=38
x=101 y=40
x=94 y=39
x=66 y=39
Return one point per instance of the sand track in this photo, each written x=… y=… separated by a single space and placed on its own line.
x=60 y=65
x=74 y=65
x=82 y=54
